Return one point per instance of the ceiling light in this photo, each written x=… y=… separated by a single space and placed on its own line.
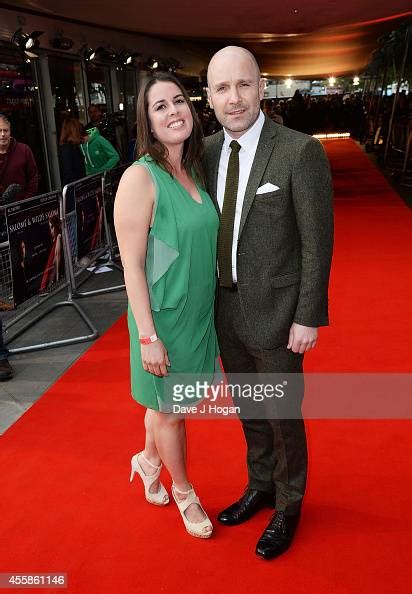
x=30 y=56
x=127 y=58
x=152 y=64
x=321 y=136
x=87 y=53
x=24 y=41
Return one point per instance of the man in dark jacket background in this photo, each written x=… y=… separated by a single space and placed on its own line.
x=17 y=164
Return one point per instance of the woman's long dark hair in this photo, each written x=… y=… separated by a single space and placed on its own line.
x=147 y=144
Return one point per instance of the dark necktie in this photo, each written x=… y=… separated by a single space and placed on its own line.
x=225 y=239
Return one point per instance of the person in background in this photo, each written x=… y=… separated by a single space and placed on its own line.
x=6 y=370
x=99 y=154
x=17 y=164
x=101 y=121
x=95 y=115
x=72 y=164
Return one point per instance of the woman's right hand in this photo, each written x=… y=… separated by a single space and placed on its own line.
x=154 y=358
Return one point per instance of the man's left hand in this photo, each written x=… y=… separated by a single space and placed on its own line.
x=302 y=338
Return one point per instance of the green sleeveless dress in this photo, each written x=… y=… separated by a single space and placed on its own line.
x=181 y=278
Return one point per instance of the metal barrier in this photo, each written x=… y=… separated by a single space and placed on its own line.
x=86 y=249
x=85 y=214
x=10 y=315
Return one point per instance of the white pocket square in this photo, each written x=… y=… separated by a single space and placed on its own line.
x=267 y=188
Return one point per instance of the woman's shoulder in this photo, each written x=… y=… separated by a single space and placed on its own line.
x=158 y=174
x=137 y=171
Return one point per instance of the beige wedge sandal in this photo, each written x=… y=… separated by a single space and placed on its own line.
x=196 y=529
x=159 y=498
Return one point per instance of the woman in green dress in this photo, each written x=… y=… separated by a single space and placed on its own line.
x=167 y=229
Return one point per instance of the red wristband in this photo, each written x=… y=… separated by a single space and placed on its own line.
x=148 y=339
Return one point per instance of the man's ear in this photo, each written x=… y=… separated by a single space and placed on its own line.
x=261 y=88
x=209 y=97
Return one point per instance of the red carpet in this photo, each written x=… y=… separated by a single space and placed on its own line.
x=66 y=504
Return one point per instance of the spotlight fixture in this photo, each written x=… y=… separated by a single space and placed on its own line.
x=30 y=56
x=87 y=53
x=128 y=58
x=24 y=41
x=152 y=64
x=61 y=43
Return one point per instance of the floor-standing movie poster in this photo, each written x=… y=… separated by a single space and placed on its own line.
x=36 y=247
x=89 y=209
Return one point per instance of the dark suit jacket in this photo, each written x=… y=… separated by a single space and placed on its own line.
x=286 y=236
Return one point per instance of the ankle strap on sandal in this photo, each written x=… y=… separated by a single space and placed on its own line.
x=150 y=463
x=182 y=492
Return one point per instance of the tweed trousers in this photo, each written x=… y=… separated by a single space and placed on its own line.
x=276 y=446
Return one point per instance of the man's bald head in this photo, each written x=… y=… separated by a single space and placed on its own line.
x=230 y=54
x=235 y=89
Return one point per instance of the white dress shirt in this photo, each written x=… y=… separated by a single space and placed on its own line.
x=248 y=143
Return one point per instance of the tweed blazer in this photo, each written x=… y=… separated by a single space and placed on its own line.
x=286 y=236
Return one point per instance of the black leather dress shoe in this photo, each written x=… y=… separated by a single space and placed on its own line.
x=6 y=370
x=278 y=535
x=251 y=502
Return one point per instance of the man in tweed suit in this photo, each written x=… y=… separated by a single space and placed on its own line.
x=272 y=186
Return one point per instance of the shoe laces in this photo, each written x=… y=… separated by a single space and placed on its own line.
x=277 y=524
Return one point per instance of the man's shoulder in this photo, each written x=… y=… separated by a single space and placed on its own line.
x=21 y=148
x=288 y=142
x=213 y=141
x=294 y=137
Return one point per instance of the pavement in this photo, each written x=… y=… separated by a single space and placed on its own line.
x=36 y=371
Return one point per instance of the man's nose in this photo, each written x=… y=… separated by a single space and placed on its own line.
x=234 y=96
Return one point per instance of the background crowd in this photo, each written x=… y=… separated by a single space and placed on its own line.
x=94 y=148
